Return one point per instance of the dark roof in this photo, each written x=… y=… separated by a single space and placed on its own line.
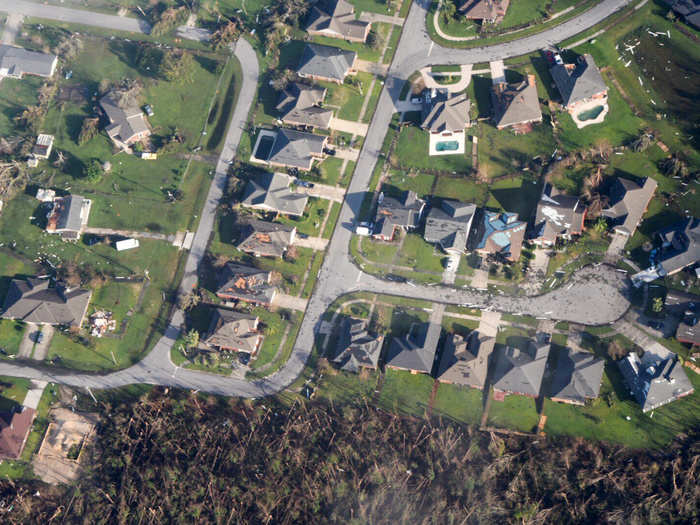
x=326 y=61
x=32 y=300
x=627 y=203
x=688 y=330
x=500 y=232
x=465 y=361
x=337 y=18
x=680 y=245
x=521 y=370
x=124 y=123
x=515 y=103
x=402 y=212
x=299 y=105
x=235 y=330
x=577 y=376
x=18 y=61
x=444 y=113
x=263 y=238
x=558 y=214
x=449 y=224
x=271 y=192
x=416 y=351
x=296 y=149
x=245 y=283
x=681 y=300
x=357 y=347
x=579 y=81
x=14 y=429
x=689 y=10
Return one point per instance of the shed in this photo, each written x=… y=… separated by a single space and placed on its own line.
x=126 y=244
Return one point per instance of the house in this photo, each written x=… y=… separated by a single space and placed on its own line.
x=233 y=332
x=300 y=105
x=68 y=216
x=357 y=348
x=577 y=377
x=449 y=225
x=489 y=11
x=679 y=302
x=627 y=202
x=16 y=62
x=42 y=147
x=336 y=19
x=397 y=213
x=33 y=301
x=263 y=238
x=127 y=125
x=516 y=105
x=415 y=351
x=655 y=379
x=271 y=192
x=688 y=330
x=296 y=149
x=14 y=430
x=500 y=233
x=688 y=10
x=465 y=360
x=445 y=118
x=558 y=215
x=237 y=282
x=680 y=247
x=580 y=83
x=520 y=371
x=326 y=63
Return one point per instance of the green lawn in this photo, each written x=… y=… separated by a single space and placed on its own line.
x=15 y=96
x=406 y=392
x=462 y=189
x=338 y=386
x=330 y=170
x=333 y=215
x=515 y=412
x=461 y=404
x=11 y=333
x=310 y=222
x=378 y=251
x=374 y=6
x=372 y=53
x=519 y=195
x=412 y=152
x=10 y=267
x=421 y=183
x=12 y=392
x=523 y=12
x=420 y=255
x=116 y=297
x=372 y=102
x=459 y=326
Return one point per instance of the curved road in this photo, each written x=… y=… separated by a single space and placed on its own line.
x=595 y=296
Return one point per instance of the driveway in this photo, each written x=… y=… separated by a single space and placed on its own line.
x=41 y=350
x=498 y=71
x=349 y=126
x=290 y=302
x=324 y=191
x=12 y=27
x=371 y=67
x=315 y=243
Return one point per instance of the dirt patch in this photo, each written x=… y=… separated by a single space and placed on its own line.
x=76 y=94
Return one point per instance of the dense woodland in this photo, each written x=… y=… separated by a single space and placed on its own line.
x=183 y=458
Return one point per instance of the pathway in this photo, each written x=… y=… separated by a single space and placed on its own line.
x=315 y=243
x=12 y=26
x=386 y=19
x=130 y=234
x=349 y=126
x=291 y=302
x=36 y=390
x=324 y=191
x=347 y=153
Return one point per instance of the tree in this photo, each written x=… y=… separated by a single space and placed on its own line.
x=191 y=339
x=281 y=79
x=31 y=118
x=189 y=300
x=93 y=172
x=168 y=19
x=601 y=226
x=226 y=33
x=449 y=11
x=177 y=65
x=657 y=304
x=88 y=130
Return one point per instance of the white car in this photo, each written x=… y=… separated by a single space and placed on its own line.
x=452 y=264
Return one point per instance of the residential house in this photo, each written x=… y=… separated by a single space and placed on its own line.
x=500 y=233
x=127 y=124
x=688 y=10
x=416 y=351
x=272 y=192
x=16 y=62
x=234 y=332
x=627 y=202
x=238 y=282
x=520 y=371
x=516 y=105
x=558 y=215
x=397 y=213
x=68 y=216
x=655 y=379
x=449 y=225
x=577 y=377
x=33 y=301
x=357 y=347
x=465 y=360
x=579 y=83
x=263 y=238
x=296 y=149
x=14 y=430
x=326 y=63
x=680 y=247
x=680 y=302
x=489 y=11
x=42 y=147
x=300 y=105
x=445 y=117
x=688 y=330
x=336 y=19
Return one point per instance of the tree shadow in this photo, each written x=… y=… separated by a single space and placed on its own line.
x=541 y=66
x=482 y=94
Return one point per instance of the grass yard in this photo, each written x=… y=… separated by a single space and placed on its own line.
x=412 y=152
x=338 y=386
x=462 y=189
x=382 y=7
x=11 y=333
x=12 y=392
x=371 y=53
x=330 y=170
x=406 y=392
x=514 y=335
x=459 y=326
x=523 y=12
x=372 y=102
x=15 y=96
x=421 y=183
x=310 y=222
x=519 y=195
x=11 y=267
x=378 y=251
x=333 y=215
x=461 y=404
x=515 y=412
x=116 y=297
x=420 y=255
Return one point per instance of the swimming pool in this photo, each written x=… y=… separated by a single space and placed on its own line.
x=590 y=114
x=450 y=145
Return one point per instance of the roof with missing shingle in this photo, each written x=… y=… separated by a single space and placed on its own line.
x=521 y=371
x=580 y=81
x=326 y=62
x=337 y=18
x=299 y=105
x=233 y=330
x=124 y=122
x=558 y=214
x=449 y=224
x=271 y=192
x=246 y=283
x=465 y=360
x=402 y=212
x=500 y=232
x=577 y=377
x=263 y=238
x=680 y=245
x=515 y=103
x=357 y=347
x=33 y=301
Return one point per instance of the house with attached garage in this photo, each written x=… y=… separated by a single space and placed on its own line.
x=581 y=87
x=489 y=11
x=627 y=202
x=465 y=360
x=272 y=192
x=499 y=233
x=234 y=332
x=326 y=63
x=577 y=377
x=15 y=427
x=291 y=148
x=520 y=370
x=416 y=351
x=445 y=117
x=15 y=62
x=397 y=213
x=336 y=19
x=301 y=105
x=558 y=216
x=357 y=347
x=127 y=123
x=263 y=238
x=68 y=216
x=516 y=105
x=679 y=249
x=238 y=282
x=448 y=225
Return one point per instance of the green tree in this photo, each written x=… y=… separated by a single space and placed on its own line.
x=93 y=172
x=177 y=65
x=657 y=304
x=449 y=11
x=191 y=339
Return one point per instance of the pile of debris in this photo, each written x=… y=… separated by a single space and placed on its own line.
x=102 y=322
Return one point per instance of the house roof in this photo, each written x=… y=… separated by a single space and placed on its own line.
x=299 y=105
x=265 y=238
x=558 y=214
x=515 y=103
x=270 y=191
x=627 y=203
x=357 y=347
x=680 y=245
x=449 y=224
x=688 y=332
x=14 y=429
x=124 y=123
x=483 y=9
x=18 y=61
x=416 y=351
x=326 y=61
x=579 y=81
x=245 y=283
x=236 y=330
x=337 y=17
x=500 y=232
x=577 y=376
x=296 y=149
x=681 y=300
x=66 y=214
x=689 y=10
x=521 y=370
x=446 y=114
x=32 y=300
x=465 y=360
x=403 y=212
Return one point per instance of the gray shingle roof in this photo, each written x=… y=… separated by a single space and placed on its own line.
x=577 y=376
x=270 y=192
x=688 y=9
x=296 y=149
x=521 y=371
x=447 y=114
x=299 y=105
x=357 y=347
x=124 y=123
x=404 y=212
x=33 y=301
x=558 y=214
x=337 y=18
x=577 y=82
x=326 y=62
x=627 y=203
x=465 y=361
x=17 y=61
x=233 y=330
x=263 y=238
x=680 y=245
x=449 y=224
x=515 y=103
x=67 y=214
x=246 y=283
x=416 y=351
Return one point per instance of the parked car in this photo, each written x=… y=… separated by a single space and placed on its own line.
x=395 y=278
x=452 y=264
x=244 y=358
x=38 y=337
x=329 y=151
x=304 y=183
x=149 y=110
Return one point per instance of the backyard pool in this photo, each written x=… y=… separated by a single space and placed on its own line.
x=590 y=114
x=450 y=145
